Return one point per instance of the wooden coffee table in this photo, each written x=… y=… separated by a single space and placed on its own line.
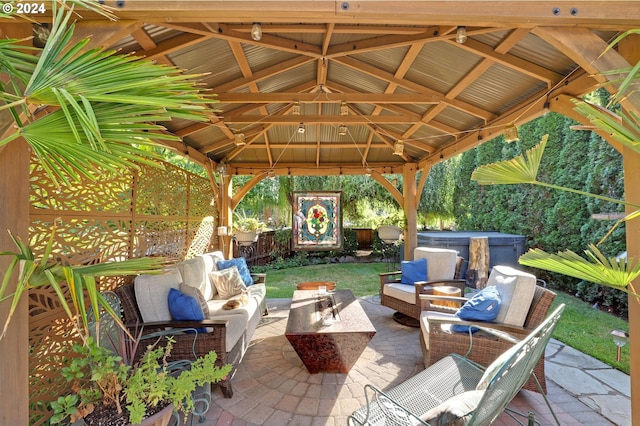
x=333 y=348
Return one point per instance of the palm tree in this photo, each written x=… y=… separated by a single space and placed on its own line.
x=83 y=111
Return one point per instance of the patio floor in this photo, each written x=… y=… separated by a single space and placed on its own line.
x=272 y=386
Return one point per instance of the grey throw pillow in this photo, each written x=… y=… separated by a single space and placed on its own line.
x=197 y=294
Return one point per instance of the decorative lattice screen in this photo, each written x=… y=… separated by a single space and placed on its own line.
x=148 y=212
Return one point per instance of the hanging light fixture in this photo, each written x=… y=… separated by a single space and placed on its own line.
x=295 y=109
x=398 y=147
x=461 y=34
x=368 y=171
x=256 y=31
x=301 y=128
x=342 y=130
x=221 y=168
x=239 y=139
x=344 y=109
x=511 y=133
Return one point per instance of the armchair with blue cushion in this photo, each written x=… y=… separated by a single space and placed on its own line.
x=522 y=306
x=431 y=267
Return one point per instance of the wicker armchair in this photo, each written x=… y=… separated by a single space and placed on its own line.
x=485 y=347
x=459 y=390
x=443 y=269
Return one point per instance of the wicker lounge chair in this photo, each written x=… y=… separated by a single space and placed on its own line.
x=438 y=340
x=457 y=383
x=443 y=269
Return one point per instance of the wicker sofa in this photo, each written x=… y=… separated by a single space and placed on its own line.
x=228 y=332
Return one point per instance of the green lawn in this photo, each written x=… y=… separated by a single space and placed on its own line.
x=582 y=327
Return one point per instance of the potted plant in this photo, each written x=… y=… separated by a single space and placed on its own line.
x=246 y=228
x=108 y=389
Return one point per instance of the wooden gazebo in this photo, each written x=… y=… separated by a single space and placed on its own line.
x=353 y=87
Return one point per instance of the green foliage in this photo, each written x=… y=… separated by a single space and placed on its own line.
x=551 y=220
x=282 y=241
x=350 y=243
x=81 y=280
x=244 y=222
x=104 y=103
x=99 y=376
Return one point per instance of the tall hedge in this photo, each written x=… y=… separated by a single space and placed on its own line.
x=549 y=219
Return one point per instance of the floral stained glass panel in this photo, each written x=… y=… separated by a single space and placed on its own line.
x=317 y=221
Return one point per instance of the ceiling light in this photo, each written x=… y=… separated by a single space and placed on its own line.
x=344 y=109
x=511 y=133
x=239 y=139
x=221 y=168
x=342 y=130
x=271 y=173
x=295 y=109
x=301 y=128
x=368 y=170
x=461 y=34
x=256 y=31
x=398 y=147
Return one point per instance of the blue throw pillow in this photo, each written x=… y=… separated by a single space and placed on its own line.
x=484 y=306
x=241 y=264
x=413 y=270
x=185 y=308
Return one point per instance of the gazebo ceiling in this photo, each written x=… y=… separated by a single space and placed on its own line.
x=359 y=76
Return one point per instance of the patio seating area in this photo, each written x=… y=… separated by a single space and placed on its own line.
x=272 y=386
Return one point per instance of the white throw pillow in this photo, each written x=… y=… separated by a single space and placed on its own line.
x=194 y=273
x=152 y=294
x=516 y=290
x=228 y=282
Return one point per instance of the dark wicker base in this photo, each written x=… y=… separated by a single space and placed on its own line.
x=403 y=319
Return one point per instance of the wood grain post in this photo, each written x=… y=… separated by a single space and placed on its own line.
x=478 y=272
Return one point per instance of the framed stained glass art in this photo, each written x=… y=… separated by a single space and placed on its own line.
x=317 y=221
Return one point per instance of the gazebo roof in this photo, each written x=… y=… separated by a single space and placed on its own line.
x=360 y=76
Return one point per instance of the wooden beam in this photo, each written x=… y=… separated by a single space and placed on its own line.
x=613 y=14
x=587 y=49
x=509 y=61
x=327 y=98
x=384 y=76
x=262 y=74
x=314 y=119
x=381 y=43
x=410 y=207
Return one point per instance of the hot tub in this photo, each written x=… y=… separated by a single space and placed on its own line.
x=504 y=249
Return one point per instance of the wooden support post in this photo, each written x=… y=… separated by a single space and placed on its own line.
x=478 y=271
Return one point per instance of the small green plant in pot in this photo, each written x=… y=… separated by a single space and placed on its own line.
x=108 y=390
x=246 y=228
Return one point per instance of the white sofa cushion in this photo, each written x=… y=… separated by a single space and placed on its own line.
x=210 y=262
x=194 y=274
x=441 y=263
x=516 y=290
x=152 y=294
x=424 y=323
x=404 y=292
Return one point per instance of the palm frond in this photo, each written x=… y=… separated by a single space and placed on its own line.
x=596 y=268
x=612 y=124
x=80 y=279
x=99 y=104
x=521 y=169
